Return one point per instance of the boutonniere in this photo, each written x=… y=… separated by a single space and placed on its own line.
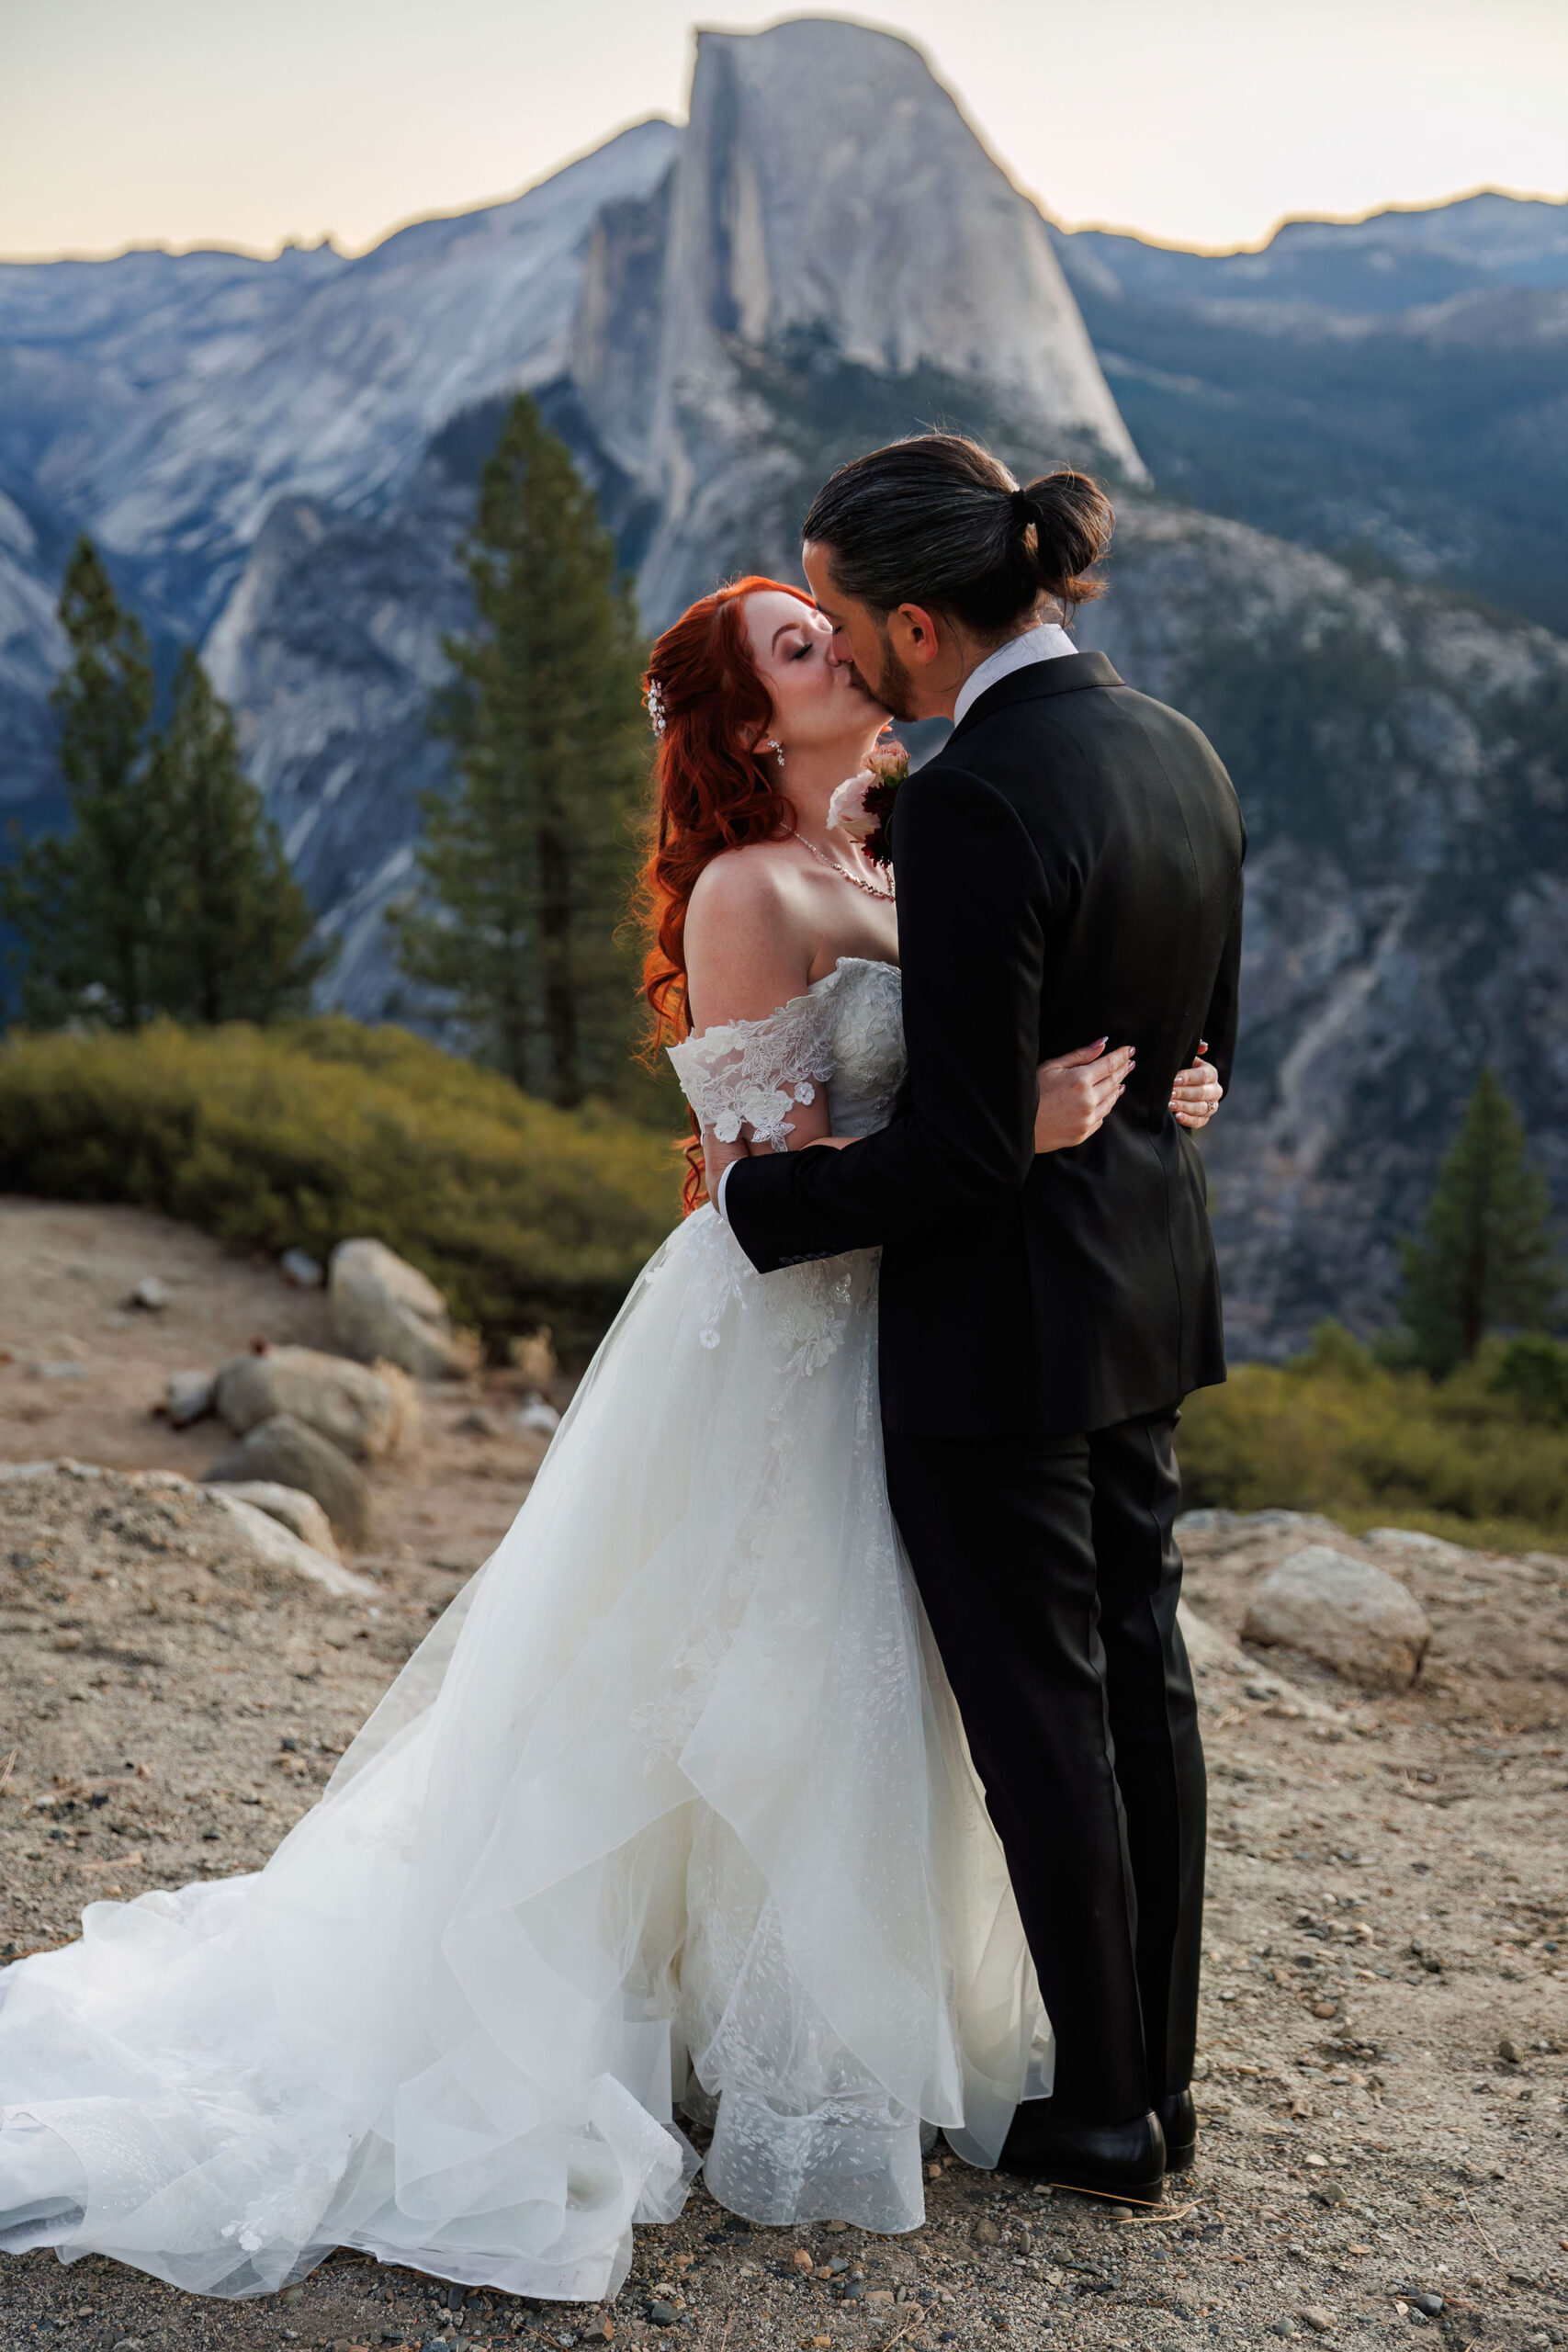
x=863 y=805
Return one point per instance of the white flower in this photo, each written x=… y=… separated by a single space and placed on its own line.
x=847 y=810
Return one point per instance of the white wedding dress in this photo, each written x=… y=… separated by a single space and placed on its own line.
x=671 y=1813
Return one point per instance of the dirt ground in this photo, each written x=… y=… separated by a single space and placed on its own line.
x=1384 y=2083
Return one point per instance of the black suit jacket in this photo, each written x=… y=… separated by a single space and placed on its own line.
x=1068 y=865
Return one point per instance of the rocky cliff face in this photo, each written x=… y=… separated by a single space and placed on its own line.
x=281 y=458
x=1403 y=763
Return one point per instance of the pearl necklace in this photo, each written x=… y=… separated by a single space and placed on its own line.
x=884 y=898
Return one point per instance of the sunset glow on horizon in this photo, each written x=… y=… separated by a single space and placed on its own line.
x=184 y=123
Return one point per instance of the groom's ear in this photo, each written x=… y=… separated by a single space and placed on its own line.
x=915 y=634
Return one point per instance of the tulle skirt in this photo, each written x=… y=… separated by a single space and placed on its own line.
x=670 y=1815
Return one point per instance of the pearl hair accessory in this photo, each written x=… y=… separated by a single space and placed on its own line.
x=655 y=701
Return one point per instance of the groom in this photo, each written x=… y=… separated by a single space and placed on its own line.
x=1068 y=865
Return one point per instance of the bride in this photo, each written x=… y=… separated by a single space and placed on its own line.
x=670 y=1815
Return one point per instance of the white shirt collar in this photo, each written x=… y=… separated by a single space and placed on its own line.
x=1049 y=642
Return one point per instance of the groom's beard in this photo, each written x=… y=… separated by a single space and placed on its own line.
x=894 y=688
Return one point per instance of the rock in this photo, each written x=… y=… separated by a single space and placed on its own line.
x=292 y=1508
x=187 y=1397
x=380 y=1306
x=1411 y=1539
x=279 y=1547
x=1282 y=2327
x=1320 y=2321
x=1209 y=1648
x=986 y=2232
x=539 y=1419
x=1430 y=2305
x=1234 y=1527
x=283 y=1452
x=301 y=1269
x=1345 y=1613
x=366 y=1413
x=663 y=2314
x=1509 y=2051
x=149 y=1294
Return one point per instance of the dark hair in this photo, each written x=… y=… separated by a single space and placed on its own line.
x=936 y=520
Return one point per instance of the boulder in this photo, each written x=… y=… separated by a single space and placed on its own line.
x=283 y=1452
x=539 y=1419
x=187 y=1397
x=1345 y=1613
x=291 y=1507
x=300 y=1271
x=276 y=1547
x=366 y=1412
x=1432 y=1549
x=379 y=1305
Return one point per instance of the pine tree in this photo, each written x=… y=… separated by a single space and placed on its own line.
x=524 y=868
x=1487 y=1261
x=81 y=902
x=232 y=923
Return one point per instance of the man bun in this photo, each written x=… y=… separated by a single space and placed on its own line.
x=1072 y=522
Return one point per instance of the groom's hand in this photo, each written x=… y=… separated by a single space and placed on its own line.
x=1197 y=1093
x=1077 y=1091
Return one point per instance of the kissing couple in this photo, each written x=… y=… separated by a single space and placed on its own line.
x=815 y=1764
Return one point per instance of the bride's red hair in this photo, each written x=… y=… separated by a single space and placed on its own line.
x=710 y=794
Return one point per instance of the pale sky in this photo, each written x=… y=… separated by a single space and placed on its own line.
x=184 y=122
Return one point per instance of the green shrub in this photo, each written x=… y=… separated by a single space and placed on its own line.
x=1533 y=1372
x=1481 y=1458
x=315 y=1130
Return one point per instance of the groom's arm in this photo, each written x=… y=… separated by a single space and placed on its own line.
x=972 y=913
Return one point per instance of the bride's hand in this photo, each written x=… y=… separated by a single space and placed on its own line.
x=1196 y=1094
x=1077 y=1091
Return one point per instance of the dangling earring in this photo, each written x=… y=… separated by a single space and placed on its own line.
x=770 y=743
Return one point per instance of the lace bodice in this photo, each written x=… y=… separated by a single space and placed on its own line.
x=846 y=1032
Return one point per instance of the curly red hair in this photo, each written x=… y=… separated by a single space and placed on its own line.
x=710 y=794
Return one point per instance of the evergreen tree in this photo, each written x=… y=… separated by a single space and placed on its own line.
x=232 y=924
x=1488 y=1260
x=81 y=902
x=525 y=868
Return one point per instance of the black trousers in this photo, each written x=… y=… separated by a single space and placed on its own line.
x=1050 y=1573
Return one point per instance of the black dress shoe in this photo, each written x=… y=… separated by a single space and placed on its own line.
x=1179 y=2122
x=1101 y=2159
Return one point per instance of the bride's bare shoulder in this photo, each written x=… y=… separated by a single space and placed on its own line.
x=749 y=943
x=746 y=885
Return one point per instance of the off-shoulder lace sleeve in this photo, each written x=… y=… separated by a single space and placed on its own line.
x=750 y=1074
